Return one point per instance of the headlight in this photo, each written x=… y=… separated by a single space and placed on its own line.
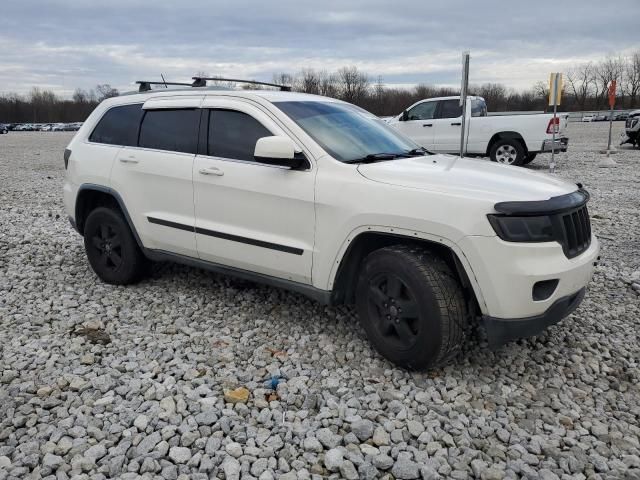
x=523 y=229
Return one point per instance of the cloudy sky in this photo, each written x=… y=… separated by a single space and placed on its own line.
x=64 y=44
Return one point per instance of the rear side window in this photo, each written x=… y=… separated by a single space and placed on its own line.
x=234 y=134
x=172 y=130
x=450 y=109
x=119 y=126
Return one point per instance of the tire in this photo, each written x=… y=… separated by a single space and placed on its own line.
x=430 y=331
x=111 y=249
x=508 y=152
x=529 y=158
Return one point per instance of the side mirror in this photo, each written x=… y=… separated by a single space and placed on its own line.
x=280 y=151
x=404 y=117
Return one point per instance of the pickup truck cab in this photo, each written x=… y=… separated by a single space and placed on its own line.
x=435 y=124
x=323 y=198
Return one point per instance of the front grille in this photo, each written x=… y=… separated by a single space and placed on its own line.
x=574 y=231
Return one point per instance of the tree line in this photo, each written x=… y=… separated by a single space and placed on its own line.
x=585 y=88
x=44 y=106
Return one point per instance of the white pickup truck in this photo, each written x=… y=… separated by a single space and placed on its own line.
x=435 y=124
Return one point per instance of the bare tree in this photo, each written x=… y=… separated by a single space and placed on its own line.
x=308 y=81
x=609 y=69
x=283 y=79
x=582 y=81
x=353 y=84
x=328 y=84
x=80 y=96
x=105 y=90
x=631 y=78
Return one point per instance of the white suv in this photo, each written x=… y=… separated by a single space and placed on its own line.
x=321 y=197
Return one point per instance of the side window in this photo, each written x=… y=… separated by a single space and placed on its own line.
x=119 y=126
x=172 y=130
x=478 y=108
x=450 y=109
x=423 y=111
x=234 y=134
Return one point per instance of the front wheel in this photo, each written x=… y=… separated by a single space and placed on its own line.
x=111 y=249
x=411 y=307
x=508 y=151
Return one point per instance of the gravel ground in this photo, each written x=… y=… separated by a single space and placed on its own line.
x=98 y=381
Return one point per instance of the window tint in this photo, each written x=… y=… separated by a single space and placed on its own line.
x=234 y=134
x=119 y=126
x=424 y=111
x=173 y=130
x=450 y=109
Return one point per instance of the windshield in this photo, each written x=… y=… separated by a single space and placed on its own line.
x=348 y=133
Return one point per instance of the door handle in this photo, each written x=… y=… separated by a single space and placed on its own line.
x=457 y=124
x=211 y=171
x=130 y=159
x=427 y=124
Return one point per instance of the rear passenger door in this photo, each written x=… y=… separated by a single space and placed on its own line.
x=447 y=125
x=154 y=176
x=250 y=215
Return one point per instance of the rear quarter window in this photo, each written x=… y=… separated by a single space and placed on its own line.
x=118 y=126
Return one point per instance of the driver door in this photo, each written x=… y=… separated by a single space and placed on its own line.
x=418 y=125
x=250 y=215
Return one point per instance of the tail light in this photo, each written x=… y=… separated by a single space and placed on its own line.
x=67 y=154
x=554 y=125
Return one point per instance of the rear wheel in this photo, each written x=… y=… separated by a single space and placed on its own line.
x=111 y=249
x=411 y=307
x=508 y=151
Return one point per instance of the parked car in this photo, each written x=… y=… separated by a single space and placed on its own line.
x=323 y=198
x=511 y=139
x=588 y=118
x=3 y=129
x=601 y=117
x=632 y=129
x=45 y=128
x=621 y=116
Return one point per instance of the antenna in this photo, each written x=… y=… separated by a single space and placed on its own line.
x=145 y=85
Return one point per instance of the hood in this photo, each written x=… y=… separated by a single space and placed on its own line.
x=467 y=176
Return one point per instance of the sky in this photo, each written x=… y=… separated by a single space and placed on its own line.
x=65 y=44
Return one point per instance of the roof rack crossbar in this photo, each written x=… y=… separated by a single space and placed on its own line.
x=202 y=82
x=145 y=86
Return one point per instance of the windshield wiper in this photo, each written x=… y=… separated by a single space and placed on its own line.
x=375 y=157
x=418 y=152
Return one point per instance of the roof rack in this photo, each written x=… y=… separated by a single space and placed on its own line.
x=145 y=86
x=202 y=82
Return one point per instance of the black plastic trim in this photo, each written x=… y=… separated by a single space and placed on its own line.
x=118 y=198
x=503 y=330
x=322 y=296
x=554 y=205
x=228 y=236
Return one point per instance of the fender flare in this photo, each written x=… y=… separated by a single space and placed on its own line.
x=117 y=197
x=460 y=257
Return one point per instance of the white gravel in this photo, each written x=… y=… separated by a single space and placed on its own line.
x=150 y=403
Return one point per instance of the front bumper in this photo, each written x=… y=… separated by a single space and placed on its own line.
x=561 y=144
x=500 y=330
x=506 y=273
